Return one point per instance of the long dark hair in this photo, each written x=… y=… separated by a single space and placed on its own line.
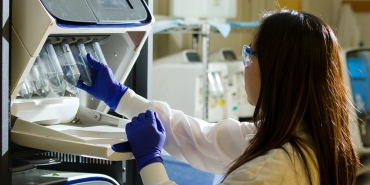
x=302 y=85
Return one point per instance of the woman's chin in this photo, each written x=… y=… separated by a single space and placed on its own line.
x=251 y=102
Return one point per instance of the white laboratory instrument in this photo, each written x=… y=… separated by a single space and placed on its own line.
x=50 y=177
x=177 y=80
x=219 y=10
x=356 y=68
x=356 y=73
x=236 y=80
x=50 y=39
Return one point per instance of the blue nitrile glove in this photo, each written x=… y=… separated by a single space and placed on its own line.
x=104 y=87
x=146 y=135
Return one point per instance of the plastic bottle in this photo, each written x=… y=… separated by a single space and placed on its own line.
x=94 y=48
x=52 y=69
x=26 y=89
x=73 y=89
x=67 y=62
x=38 y=79
x=79 y=54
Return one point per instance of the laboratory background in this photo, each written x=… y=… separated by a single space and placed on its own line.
x=186 y=53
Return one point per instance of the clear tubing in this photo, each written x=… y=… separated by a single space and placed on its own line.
x=67 y=63
x=79 y=54
x=52 y=69
x=26 y=89
x=38 y=79
x=94 y=48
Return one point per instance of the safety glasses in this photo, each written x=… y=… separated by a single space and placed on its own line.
x=246 y=55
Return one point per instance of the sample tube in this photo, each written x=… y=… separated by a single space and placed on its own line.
x=26 y=89
x=38 y=79
x=212 y=90
x=79 y=54
x=94 y=48
x=52 y=69
x=67 y=62
x=220 y=88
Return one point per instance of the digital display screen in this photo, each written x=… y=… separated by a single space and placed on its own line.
x=114 y=4
x=358 y=63
x=229 y=55
x=193 y=57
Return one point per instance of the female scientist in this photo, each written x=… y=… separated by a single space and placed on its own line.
x=300 y=133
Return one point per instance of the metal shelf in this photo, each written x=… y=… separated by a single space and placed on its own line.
x=197 y=29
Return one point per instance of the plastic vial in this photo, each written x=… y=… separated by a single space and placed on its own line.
x=26 y=89
x=67 y=62
x=38 y=79
x=94 y=48
x=219 y=86
x=213 y=93
x=52 y=69
x=79 y=54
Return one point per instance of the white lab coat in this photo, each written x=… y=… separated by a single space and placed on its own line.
x=212 y=147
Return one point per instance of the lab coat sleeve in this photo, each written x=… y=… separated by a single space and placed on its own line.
x=278 y=166
x=209 y=147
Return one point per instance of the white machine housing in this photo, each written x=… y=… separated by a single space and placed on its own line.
x=71 y=125
x=51 y=177
x=236 y=80
x=359 y=129
x=206 y=9
x=178 y=80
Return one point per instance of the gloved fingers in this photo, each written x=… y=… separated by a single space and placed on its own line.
x=93 y=62
x=134 y=122
x=127 y=127
x=130 y=130
x=160 y=126
x=122 y=147
x=82 y=86
x=141 y=117
x=149 y=114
